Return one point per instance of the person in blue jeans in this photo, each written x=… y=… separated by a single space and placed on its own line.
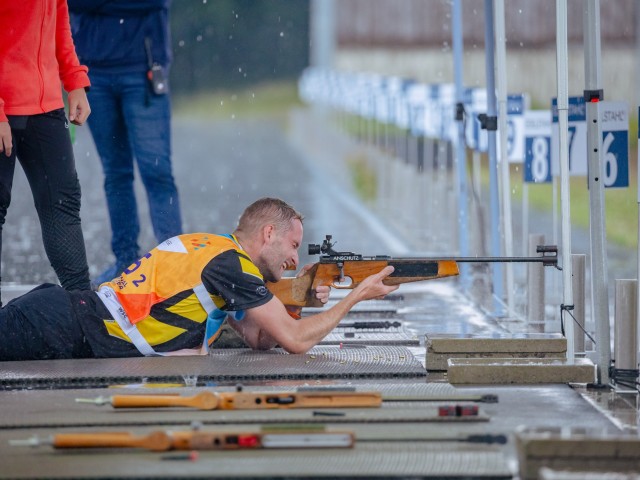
x=127 y=47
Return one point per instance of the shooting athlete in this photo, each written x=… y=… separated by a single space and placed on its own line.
x=174 y=299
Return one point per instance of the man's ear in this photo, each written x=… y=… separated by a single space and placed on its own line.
x=268 y=231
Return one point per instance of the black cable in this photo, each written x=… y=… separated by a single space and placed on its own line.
x=625 y=377
x=568 y=308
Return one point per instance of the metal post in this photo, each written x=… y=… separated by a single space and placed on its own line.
x=562 y=63
x=626 y=327
x=505 y=184
x=461 y=157
x=494 y=205
x=525 y=217
x=638 y=238
x=599 y=284
x=579 y=268
x=323 y=33
x=535 y=286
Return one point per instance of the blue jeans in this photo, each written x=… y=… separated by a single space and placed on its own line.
x=128 y=121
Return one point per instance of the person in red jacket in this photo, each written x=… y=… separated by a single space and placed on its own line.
x=37 y=55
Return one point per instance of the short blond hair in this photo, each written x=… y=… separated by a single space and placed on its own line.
x=267 y=211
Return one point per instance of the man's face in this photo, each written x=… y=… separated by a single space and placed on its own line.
x=280 y=252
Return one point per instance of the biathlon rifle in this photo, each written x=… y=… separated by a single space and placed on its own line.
x=345 y=270
x=243 y=400
x=161 y=441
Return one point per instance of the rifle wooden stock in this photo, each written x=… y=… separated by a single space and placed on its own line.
x=155 y=441
x=300 y=291
x=201 y=401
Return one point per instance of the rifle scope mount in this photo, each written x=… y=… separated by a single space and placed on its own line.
x=326 y=248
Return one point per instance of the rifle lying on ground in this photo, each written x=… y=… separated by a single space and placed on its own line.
x=345 y=270
x=243 y=400
x=161 y=440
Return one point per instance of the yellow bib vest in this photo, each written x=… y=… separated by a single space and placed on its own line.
x=172 y=267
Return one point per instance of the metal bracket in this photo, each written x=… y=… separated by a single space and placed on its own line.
x=460 y=112
x=487 y=122
x=594 y=95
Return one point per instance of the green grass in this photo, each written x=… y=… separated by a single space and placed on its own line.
x=363 y=178
x=621 y=204
x=259 y=101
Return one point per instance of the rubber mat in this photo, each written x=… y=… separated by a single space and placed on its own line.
x=370 y=338
x=392 y=336
x=224 y=365
x=448 y=460
x=70 y=415
x=29 y=409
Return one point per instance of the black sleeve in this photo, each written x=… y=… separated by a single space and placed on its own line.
x=236 y=280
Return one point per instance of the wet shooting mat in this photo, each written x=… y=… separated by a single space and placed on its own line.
x=395 y=459
x=321 y=362
x=35 y=409
x=364 y=332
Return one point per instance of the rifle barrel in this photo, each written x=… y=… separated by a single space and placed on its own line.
x=550 y=259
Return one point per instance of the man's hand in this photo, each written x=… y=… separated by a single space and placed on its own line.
x=79 y=109
x=373 y=288
x=6 y=143
x=322 y=291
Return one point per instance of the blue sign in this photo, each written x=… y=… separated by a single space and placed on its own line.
x=577 y=137
x=614 y=119
x=537 y=160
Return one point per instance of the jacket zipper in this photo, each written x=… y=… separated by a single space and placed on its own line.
x=44 y=6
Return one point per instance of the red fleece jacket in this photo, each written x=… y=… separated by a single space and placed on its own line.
x=36 y=55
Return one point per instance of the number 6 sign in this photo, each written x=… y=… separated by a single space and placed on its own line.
x=614 y=119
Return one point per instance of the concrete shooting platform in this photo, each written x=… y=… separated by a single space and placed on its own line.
x=442 y=347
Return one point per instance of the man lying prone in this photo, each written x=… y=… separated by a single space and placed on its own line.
x=174 y=300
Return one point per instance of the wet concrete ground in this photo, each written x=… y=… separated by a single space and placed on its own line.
x=220 y=167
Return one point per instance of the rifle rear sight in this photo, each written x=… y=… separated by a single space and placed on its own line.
x=326 y=248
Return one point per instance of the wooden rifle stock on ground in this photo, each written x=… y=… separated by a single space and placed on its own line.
x=244 y=400
x=345 y=270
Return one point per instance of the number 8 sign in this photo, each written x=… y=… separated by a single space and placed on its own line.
x=537 y=161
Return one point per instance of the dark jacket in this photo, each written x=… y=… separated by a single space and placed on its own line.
x=110 y=34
